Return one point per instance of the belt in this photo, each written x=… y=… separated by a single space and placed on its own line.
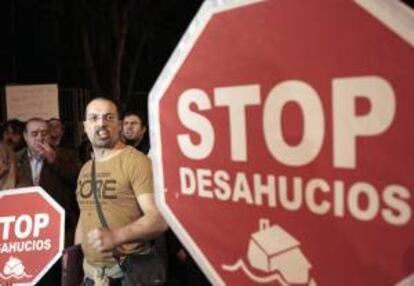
x=100 y=274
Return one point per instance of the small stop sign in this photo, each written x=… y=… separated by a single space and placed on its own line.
x=32 y=233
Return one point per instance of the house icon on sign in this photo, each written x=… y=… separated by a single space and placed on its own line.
x=273 y=249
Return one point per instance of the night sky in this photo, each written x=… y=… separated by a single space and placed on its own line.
x=42 y=38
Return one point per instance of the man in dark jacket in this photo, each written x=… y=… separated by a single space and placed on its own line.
x=56 y=172
x=134 y=131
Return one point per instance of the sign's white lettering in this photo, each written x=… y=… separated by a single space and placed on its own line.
x=347 y=125
x=23 y=226
x=362 y=201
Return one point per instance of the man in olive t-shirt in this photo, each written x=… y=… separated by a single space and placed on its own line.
x=125 y=190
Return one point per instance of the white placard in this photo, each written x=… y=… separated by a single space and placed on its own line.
x=27 y=101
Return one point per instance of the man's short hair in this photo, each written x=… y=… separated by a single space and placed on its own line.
x=56 y=119
x=34 y=119
x=104 y=99
x=139 y=114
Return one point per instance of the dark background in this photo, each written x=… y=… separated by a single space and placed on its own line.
x=109 y=47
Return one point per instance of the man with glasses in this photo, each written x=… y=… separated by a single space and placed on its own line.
x=124 y=186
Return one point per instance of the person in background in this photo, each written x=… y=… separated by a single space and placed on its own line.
x=134 y=131
x=125 y=179
x=56 y=172
x=8 y=178
x=56 y=130
x=13 y=135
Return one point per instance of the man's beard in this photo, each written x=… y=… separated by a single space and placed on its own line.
x=107 y=143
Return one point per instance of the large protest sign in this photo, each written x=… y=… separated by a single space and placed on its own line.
x=281 y=134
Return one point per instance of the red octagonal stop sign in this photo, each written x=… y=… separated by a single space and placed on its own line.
x=282 y=135
x=31 y=229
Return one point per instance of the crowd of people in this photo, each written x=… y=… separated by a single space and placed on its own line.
x=118 y=171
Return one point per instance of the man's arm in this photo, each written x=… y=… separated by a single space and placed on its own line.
x=78 y=233
x=150 y=225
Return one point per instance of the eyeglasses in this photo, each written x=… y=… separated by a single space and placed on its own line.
x=108 y=117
